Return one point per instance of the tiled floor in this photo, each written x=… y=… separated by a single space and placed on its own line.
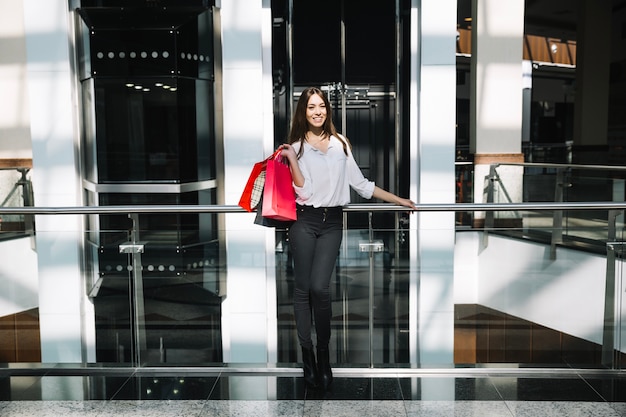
x=284 y=394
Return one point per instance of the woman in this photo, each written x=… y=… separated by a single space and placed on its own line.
x=323 y=171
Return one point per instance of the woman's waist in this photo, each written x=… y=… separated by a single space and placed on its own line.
x=312 y=209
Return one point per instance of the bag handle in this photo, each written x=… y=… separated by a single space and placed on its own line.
x=277 y=156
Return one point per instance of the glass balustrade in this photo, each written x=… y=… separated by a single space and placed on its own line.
x=560 y=183
x=15 y=191
x=499 y=296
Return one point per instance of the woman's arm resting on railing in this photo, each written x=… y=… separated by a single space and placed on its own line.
x=392 y=198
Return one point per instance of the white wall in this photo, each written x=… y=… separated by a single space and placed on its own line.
x=19 y=278
x=518 y=277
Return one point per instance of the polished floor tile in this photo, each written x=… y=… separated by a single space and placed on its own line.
x=449 y=389
x=359 y=389
x=262 y=395
x=165 y=388
x=251 y=388
x=552 y=389
x=59 y=388
x=610 y=389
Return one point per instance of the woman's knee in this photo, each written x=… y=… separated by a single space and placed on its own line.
x=320 y=292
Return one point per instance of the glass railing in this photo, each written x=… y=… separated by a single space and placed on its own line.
x=409 y=290
x=15 y=191
x=559 y=183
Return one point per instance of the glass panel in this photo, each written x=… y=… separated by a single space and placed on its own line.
x=153 y=129
x=616 y=258
x=529 y=304
x=364 y=45
x=515 y=304
x=561 y=184
x=369 y=292
x=177 y=228
x=177 y=283
x=325 y=65
x=147 y=86
x=358 y=18
x=140 y=40
x=168 y=308
x=15 y=191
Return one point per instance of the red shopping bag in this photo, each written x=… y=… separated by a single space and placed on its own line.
x=279 y=199
x=253 y=190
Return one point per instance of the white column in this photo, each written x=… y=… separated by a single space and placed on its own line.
x=496 y=107
x=66 y=315
x=249 y=309
x=433 y=167
x=15 y=140
x=432 y=132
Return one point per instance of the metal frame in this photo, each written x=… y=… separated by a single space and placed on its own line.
x=244 y=369
x=362 y=207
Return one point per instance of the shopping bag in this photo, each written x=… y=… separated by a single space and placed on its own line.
x=267 y=222
x=279 y=199
x=253 y=190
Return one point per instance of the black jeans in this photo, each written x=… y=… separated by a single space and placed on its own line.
x=314 y=239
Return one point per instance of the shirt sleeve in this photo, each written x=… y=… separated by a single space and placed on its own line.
x=358 y=182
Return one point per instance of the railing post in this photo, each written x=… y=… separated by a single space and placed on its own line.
x=371 y=246
x=557 y=215
x=134 y=248
x=609 y=330
x=27 y=195
x=488 y=193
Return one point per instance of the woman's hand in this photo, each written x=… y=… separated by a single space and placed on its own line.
x=392 y=198
x=287 y=151
x=406 y=202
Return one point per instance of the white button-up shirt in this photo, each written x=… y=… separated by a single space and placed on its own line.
x=329 y=176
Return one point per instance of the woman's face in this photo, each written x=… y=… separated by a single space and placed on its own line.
x=315 y=112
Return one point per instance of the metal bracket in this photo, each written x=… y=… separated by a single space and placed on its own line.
x=132 y=247
x=96 y=288
x=374 y=246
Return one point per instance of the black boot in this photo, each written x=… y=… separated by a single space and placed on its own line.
x=323 y=366
x=309 y=367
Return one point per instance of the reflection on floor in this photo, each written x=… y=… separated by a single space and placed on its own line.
x=257 y=394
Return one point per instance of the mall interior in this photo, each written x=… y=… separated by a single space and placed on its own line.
x=133 y=283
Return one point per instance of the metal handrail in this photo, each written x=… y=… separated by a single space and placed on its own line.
x=361 y=207
x=573 y=166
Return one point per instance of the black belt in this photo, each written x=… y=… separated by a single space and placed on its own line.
x=334 y=209
x=324 y=212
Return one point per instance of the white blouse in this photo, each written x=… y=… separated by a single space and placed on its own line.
x=329 y=176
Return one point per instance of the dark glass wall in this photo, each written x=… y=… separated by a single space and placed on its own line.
x=146 y=74
x=153 y=129
x=147 y=78
x=350 y=49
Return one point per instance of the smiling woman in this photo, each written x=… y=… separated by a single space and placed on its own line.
x=323 y=171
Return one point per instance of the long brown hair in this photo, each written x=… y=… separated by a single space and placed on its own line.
x=299 y=124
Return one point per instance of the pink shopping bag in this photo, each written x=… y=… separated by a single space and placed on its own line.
x=279 y=199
